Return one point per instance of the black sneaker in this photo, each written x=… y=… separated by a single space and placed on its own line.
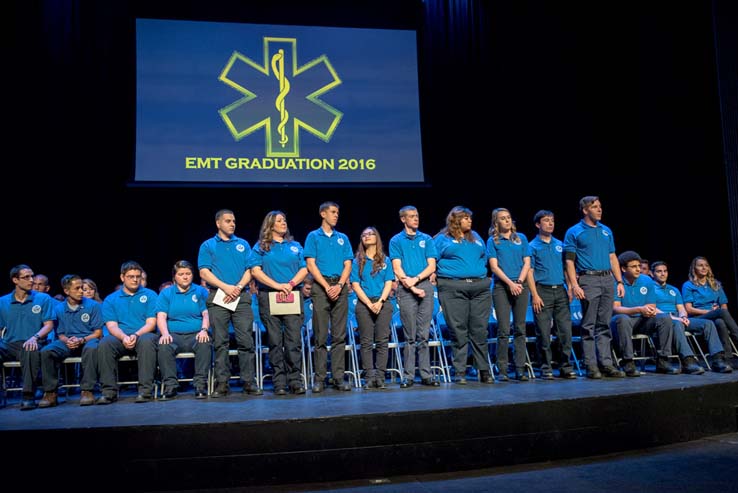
x=106 y=399
x=168 y=395
x=568 y=373
x=612 y=372
x=594 y=373
x=221 y=390
x=719 y=365
x=252 y=389
x=630 y=369
x=341 y=385
x=691 y=367
x=663 y=365
x=201 y=393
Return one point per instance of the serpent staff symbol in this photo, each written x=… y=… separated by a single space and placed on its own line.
x=284 y=88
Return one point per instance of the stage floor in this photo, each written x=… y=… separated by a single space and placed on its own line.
x=238 y=407
x=244 y=440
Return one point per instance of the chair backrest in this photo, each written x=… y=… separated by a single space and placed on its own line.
x=575 y=307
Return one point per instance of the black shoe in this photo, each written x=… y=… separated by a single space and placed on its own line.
x=568 y=373
x=369 y=385
x=630 y=369
x=297 y=388
x=106 y=399
x=201 y=393
x=406 y=384
x=221 y=391
x=141 y=398
x=380 y=384
x=341 y=385
x=430 y=382
x=663 y=365
x=547 y=375
x=502 y=377
x=169 y=395
x=252 y=389
x=318 y=387
x=461 y=380
x=521 y=375
x=719 y=365
x=612 y=372
x=594 y=373
x=28 y=404
x=280 y=391
x=485 y=377
x=691 y=367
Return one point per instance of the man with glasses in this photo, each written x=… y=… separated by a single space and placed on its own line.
x=27 y=317
x=129 y=314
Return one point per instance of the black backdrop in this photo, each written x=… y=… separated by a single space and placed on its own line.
x=525 y=105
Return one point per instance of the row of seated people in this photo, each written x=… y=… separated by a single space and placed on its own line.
x=441 y=360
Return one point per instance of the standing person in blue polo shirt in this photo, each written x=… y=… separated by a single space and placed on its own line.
x=463 y=290
x=27 y=317
x=129 y=313
x=78 y=333
x=371 y=278
x=414 y=256
x=223 y=261
x=549 y=296
x=591 y=264
x=183 y=322
x=328 y=254
x=278 y=264
x=509 y=261
x=704 y=297
x=636 y=313
x=669 y=300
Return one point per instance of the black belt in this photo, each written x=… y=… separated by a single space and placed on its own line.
x=601 y=273
x=550 y=286
x=332 y=279
x=465 y=279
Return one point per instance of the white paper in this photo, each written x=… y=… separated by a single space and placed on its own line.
x=220 y=296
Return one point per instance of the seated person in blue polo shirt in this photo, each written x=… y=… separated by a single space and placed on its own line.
x=130 y=316
x=636 y=313
x=78 y=332
x=27 y=317
x=669 y=300
x=704 y=297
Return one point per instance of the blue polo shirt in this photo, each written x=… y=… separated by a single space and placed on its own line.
x=509 y=254
x=83 y=321
x=592 y=244
x=461 y=259
x=183 y=308
x=703 y=297
x=130 y=311
x=547 y=261
x=22 y=320
x=667 y=298
x=641 y=292
x=226 y=259
x=413 y=250
x=329 y=252
x=373 y=285
x=281 y=262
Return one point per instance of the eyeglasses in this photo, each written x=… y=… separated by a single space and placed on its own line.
x=27 y=277
x=368 y=233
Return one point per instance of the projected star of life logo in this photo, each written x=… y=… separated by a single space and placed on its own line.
x=280 y=97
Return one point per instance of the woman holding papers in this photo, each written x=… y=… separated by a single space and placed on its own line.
x=278 y=265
